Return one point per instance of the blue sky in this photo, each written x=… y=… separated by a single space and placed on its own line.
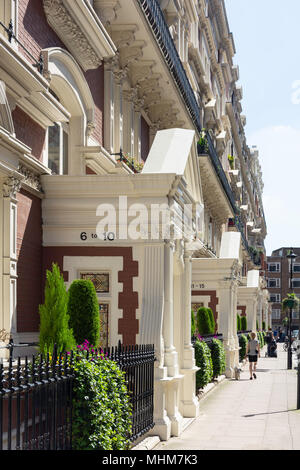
x=267 y=39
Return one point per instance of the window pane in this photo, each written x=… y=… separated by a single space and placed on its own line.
x=53 y=148
x=65 y=153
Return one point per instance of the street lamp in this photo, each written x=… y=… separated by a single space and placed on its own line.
x=291 y=256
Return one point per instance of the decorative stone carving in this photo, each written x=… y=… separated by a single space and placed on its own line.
x=30 y=178
x=11 y=186
x=90 y=127
x=106 y=10
x=89 y=52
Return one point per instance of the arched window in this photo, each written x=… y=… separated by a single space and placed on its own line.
x=67 y=138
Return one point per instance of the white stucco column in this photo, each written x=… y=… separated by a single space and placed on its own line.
x=189 y=401
x=8 y=251
x=248 y=296
x=151 y=333
x=170 y=353
x=227 y=323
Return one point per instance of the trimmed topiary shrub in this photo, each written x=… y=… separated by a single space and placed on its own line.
x=193 y=324
x=243 y=323
x=212 y=320
x=83 y=310
x=218 y=357
x=238 y=322
x=243 y=341
x=54 y=320
x=260 y=338
x=204 y=325
x=101 y=417
x=264 y=325
x=204 y=361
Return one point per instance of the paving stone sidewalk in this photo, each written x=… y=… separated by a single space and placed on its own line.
x=247 y=414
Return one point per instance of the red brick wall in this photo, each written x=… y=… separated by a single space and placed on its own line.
x=36 y=34
x=29 y=132
x=128 y=299
x=29 y=267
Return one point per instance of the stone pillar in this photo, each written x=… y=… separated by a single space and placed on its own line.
x=189 y=401
x=151 y=332
x=8 y=251
x=227 y=323
x=171 y=356
x=170 y=353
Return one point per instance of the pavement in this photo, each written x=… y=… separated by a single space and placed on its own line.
x=247 y=414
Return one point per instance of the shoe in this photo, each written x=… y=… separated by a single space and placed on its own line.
x=254 y=375
x=251 y=378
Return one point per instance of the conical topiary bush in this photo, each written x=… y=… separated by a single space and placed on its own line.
x=204 y=325
x=83 y=309
x=54 y=320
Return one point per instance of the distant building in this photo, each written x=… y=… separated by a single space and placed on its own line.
x=278 y=283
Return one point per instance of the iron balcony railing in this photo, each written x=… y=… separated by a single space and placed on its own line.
x=220 y=172
x=160 y=29
x=39 y=64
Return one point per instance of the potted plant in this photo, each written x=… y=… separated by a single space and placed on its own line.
x=202 y=144
x=231 y=161
x=291 y=301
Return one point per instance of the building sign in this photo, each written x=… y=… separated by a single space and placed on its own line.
x=198 y=285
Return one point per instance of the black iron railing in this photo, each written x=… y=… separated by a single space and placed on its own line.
x=160 y=29
x=208 y=338
x=36 y=397
x=39 y=64
x=220 y=172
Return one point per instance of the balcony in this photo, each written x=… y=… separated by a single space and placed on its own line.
x=160 y=30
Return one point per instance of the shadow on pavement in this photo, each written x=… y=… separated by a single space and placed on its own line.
x=270 y=413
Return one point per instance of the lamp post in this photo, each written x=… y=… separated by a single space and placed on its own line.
x=291 y=256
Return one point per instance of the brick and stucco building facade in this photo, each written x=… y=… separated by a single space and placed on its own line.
x=90 y=90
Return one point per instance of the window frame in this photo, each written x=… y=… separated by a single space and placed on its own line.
x=63 y=129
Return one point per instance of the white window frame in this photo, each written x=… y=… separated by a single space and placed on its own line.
x=297 y=279
x=276 y=314
x=9 y=11
x=277 y=282
x=63 y=127
x=278 y=267
x=278 y=298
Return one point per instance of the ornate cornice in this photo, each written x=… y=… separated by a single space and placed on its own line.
x=77 y=39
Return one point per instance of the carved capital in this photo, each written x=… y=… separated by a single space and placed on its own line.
x=11 y=186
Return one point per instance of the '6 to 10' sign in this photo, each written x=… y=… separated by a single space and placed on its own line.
x=106 y=236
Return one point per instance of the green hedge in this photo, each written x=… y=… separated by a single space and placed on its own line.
x=243 y=341
x=238 y=323
x=218 y=357
x=244 y=323
x=205 y=322
x=204 y=361
x=101 y=410
x=83 y=310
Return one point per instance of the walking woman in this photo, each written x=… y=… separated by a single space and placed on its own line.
x=253 y=351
